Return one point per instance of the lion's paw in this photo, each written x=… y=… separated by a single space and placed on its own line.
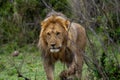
x=64 y=75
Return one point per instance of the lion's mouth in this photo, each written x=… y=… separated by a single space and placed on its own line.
x=54 y=50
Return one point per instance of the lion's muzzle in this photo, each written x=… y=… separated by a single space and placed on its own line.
x=54 y=49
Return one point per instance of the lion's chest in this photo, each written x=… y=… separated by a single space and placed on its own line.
x=58 y=56
x=66 y=57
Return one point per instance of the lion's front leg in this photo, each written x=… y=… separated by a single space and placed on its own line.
x=74 y=69
x=79 y=65
x=69 y=73
x=49 y=68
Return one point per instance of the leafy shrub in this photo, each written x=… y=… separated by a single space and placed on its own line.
x=19 y=20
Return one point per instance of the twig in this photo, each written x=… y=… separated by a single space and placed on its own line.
x=47 y=6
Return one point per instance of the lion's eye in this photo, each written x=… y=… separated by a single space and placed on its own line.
x=58 y=33
x=48 y=34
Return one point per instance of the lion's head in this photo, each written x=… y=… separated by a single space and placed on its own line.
x=54 y=33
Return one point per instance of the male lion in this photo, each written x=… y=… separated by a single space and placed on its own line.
x=62 y=40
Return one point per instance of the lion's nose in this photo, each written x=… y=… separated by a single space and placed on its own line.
x=53 y=45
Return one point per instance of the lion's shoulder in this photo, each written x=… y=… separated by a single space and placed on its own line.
x=77 y=36
x=75 y=29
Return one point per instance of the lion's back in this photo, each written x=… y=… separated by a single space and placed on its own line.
x=77 y=35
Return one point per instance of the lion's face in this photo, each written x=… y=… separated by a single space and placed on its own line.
x=54 y=36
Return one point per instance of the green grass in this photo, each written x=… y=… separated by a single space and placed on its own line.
x=29 y=63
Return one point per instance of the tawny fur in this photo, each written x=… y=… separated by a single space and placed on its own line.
x=71 y=36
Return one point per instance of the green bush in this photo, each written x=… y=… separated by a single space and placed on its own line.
x=19 y=20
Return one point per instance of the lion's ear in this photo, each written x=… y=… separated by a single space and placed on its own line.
x=67 y=23
x=42 y=23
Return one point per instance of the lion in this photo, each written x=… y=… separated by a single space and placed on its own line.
x=65 y=41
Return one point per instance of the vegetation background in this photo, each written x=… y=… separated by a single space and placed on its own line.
x=20 y=28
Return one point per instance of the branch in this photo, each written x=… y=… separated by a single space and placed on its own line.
x=47 y=6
